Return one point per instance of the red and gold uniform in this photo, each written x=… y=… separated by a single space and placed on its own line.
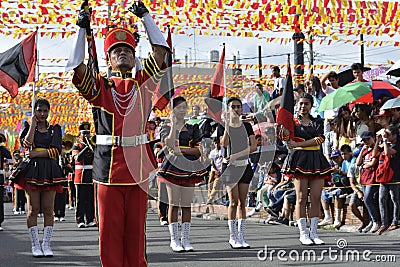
x=121 y=166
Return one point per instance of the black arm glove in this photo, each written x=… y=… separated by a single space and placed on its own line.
x=138 y=9
x=84 y=17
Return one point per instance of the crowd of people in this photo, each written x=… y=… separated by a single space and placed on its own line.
x=328 y=157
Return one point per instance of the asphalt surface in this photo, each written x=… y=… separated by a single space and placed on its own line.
x=272 y=245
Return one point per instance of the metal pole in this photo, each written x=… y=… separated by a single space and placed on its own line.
x=311 y=54
x=259 y=63
x=362 y=48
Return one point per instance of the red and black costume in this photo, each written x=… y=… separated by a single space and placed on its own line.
x=308 y=162
x=121 y=166
x=43 y=173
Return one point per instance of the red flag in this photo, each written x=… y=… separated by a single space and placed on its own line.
x=286 y=109
x=17 y=65
x=217 y=90
x=165 y=88
x=218 y=81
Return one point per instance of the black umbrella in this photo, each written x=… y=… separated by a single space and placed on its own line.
x=346 y=75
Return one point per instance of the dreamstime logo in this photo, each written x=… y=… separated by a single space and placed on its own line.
x=340 y=253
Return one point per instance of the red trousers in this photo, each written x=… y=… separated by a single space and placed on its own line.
x=122 y=217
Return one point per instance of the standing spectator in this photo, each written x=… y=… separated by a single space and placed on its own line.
x=367 y=161
x=159 y=153
x=357 y=198
x=330 y=143
x=391 y=148
x=43 y=177
x=358 y=71
x=384 y=118
x=60 y=198
x=308 y=167
x=279 y=83
x=363 y=113
x=398 y=83
x=83 y=155
x=181 y=170
x=345 y=132
x=261 y=98
x=214 y=184
x=19 y=195
x=314 y=88
x=238 y=141
x=4 y=154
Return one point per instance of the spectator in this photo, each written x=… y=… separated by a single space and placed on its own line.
x=362 y=112
x=279 y=83
x=345 y=132
x=384 y=118
x=358 y=71
x=261 y=98
x=367 y=162
x=391 y=147
x=214 y=184
x=330 y=143
x=357 y=198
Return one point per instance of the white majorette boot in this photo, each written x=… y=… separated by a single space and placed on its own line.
x=233 y=238
x=34 y=235
x=313 y=231
x=242 y=229
x=304 y=237
x=185 y=236
x=47 y=233
x=175 y=243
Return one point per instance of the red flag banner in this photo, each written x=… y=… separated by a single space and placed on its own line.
x=165 y=88
x=286 y=109
x=17 y=65
x=217 y=90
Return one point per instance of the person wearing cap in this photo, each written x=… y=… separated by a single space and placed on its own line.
x=83 y=155
x=43 y=176
x=384 y=118
x=121 y=104
x=307 y=166
x=279 y=83
x=368 y=162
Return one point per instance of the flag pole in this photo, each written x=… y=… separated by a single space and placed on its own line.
x=224 y=98
x=36 y=72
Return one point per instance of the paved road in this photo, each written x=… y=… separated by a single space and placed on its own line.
x=79 y=247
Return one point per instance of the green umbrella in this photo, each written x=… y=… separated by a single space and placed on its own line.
x=344 y=95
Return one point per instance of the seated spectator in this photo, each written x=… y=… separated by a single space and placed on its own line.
x=289 y=199
x=270 y=180
x=277 y=194
x=335 y=193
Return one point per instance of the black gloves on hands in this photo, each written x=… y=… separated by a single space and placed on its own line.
x=84 y=17
x=138 y=9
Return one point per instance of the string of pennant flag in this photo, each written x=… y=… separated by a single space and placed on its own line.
x=247 y=18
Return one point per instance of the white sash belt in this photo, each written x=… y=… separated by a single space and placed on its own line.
x=83 y=167
x=109 y=140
